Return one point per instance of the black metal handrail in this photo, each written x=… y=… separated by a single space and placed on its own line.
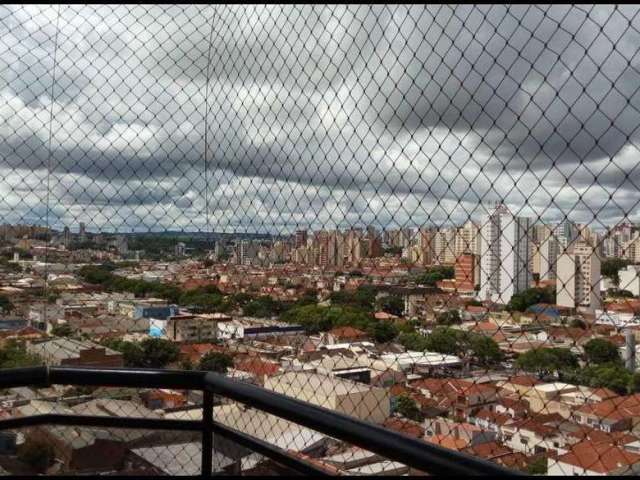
x=390 y=444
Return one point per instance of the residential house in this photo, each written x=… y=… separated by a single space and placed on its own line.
x=611 y=415
x=462 y=396
x=72 y=352
x=359 y=400
x=593 y=458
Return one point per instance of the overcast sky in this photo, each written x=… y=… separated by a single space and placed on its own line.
x=317 y=116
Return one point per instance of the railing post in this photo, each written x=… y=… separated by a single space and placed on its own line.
x=207 y=433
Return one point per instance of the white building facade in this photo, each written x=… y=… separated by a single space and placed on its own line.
x=505 y=267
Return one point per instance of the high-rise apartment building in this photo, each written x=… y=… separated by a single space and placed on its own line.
x=374 y=241
x=466 y=272
x=631 y=249
x=66 y=237
x=301 y=238
x=444 y=246
x=467 y=239
x=505 y=267
x=578 y=277
x=548 y=250
x=425 y=246
x=246 y=251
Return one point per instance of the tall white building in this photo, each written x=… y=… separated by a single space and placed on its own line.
x=468 y=239
x=566 y=232
x=578 y=277
x=549 y=249
x=505 y=267
x=444 y=245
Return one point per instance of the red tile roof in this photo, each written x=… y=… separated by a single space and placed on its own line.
x=347 y=333
x=599 y=457
x=524 y=380
x=402 y=425
x=493 y=417
x=617 y=408
x=448 y=441
x=258 y=367
x=452 y=386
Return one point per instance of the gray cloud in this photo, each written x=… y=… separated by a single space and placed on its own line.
x=320 y=115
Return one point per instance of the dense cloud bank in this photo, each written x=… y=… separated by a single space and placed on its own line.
x=265 y=118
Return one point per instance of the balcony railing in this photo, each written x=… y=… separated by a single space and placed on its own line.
x=389 y=444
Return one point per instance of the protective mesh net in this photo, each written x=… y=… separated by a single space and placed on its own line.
x=421 y=216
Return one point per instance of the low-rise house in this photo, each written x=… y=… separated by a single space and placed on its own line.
x=176 y=459
x=359 y=400
x=405 y=426
x=531 y=437
x=27 y=333
x=593 y=458
x=72 y=352
x=547 y=398
x=110 y=407
x=255 y=329
x=450 y=442
x=79 y=449
x=498 y=453
x=520 y=385
x=193 y=352
x=344 y=334
x=615 y=414
x=162 y=398
x=490 y=420
x=512 y=407
x=185 y=327
x=465 y=434
x=260 y=369
x=463 y=396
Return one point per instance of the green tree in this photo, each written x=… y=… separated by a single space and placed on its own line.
x=408 y=408
x=531 y=296
x=450 y=317
x=62 y=330
x=434 y=274
x=5 y=305
x=634 y=383
x=97 y=275
x=364 y=297
x=393 y=304
x=149 y=353
x=382 y=332
x=577 y=323
x=538 y=466
x=606 y=375
x=611 y=266
x=316 y=318
x=204 y=300
x=264 y=307
x=546 y=361
x=600 y=350
x=446 y=340
x=240 y=299
x=413 y=341
x=158 y=353
x=215 y=362
x=186 y=364
x=15 y=355
x=485 y=350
